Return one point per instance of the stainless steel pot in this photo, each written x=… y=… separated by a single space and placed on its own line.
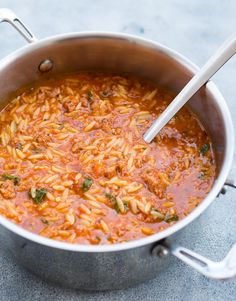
x=119 y=265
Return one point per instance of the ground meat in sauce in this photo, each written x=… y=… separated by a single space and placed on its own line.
x=7 y=189
x=154 y=183
x=85 y=174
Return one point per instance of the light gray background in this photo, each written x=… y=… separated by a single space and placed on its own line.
x=193 y=27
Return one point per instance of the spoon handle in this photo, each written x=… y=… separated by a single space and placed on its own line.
x=222 y=55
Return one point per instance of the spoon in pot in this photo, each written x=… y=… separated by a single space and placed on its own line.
x=222 y=55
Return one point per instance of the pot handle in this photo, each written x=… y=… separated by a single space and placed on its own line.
x=231 y=182
x=7 y=15
x=216 y=270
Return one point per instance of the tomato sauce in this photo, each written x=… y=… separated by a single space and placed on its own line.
x=74 y=166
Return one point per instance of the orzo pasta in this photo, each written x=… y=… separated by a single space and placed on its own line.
x=74 y=166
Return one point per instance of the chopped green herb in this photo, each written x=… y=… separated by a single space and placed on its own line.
x=113 y=200
x=37 y=195
x=126 y=205
x=114 y=203
x=90 y=96
x=36 y=150
x=19 y=145
x=201 y=175
x=14 y=178
x=171 y=218
x=116 y=207
x=105 y=93
x=110 y=196
x=204 y=149
x=44 y=221
x=157 y=214
x=85 y=186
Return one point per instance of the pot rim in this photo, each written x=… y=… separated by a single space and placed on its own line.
x=218 y=184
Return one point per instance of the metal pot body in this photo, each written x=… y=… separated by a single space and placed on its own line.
x=117 y=266
x=83 y=270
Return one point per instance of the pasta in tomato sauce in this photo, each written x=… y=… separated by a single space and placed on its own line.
x=74 y=166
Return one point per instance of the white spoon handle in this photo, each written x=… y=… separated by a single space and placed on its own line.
x=223 y=54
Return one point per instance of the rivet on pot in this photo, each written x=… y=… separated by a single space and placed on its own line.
x=223 y=190
x=45 y=66
x=160 y=251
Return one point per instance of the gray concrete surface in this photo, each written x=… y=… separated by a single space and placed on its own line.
x=195 y=28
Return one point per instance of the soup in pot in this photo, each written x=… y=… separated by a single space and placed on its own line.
x=74 y=166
